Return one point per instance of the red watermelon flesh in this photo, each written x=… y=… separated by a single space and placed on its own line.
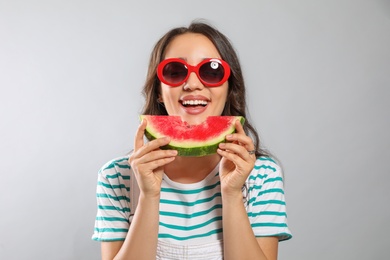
x=191 y=140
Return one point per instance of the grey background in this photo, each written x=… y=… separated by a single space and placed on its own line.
x=318 y=76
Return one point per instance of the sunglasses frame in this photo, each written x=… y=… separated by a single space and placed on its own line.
x=195 y=69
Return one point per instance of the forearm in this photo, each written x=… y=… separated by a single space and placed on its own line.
x=141 y=239
x=239 y=240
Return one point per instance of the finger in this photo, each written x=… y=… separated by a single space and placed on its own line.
x=151 y=165
x=152 y=160
x=239 y=127
x=238 y=150
x=234 y=148
x=157 y=155
x=241 y=139
x=155 y=144
x=243 y=161
x=235 y=158
x=139 y=136
x=161 y=162
x=150 y=146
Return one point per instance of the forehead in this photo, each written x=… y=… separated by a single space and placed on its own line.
x=191 y=46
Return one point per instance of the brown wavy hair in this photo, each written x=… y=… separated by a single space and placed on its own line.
x=236 y=102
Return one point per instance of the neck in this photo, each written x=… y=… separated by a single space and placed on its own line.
x=191 y=169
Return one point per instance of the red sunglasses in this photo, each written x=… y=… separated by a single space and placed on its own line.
x=211 y=72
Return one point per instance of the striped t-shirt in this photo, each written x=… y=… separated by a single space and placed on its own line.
x=191 y=213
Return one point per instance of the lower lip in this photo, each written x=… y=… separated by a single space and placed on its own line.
x=194 y=110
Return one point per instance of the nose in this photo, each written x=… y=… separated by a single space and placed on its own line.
x=193 y=82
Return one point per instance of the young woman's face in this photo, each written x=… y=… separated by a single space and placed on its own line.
x=199 y=100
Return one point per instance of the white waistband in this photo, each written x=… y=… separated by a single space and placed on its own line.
x=209 y=251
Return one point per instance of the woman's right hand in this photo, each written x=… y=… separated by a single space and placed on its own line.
x=148 y=160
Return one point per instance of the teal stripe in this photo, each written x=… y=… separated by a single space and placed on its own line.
x=113 y=165
x=267 y=213
x=190 y=191
x=108 y=239
x=281 y=236
x=116 y=198
x=196 y=214
x=185 y=228
x=190 y=237
x=113 y=208
x=269 y=224
x=265 y=202
x=267 y=159
x=121 y=186
x=274 y=179
x=260 y=176
x=117 y=175
x=189 y=204
x=270 y=191
x=255 y=187
x=257 y=167
x=123 y=166
x=252 y=200
x=116 y=163
x=111 y=229
x=111 y=219
x=258 y=187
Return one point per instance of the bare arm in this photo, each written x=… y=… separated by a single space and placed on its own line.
x=236 y=165
x=147 y=162
x=110 y=249
x=239 y=240
x=141 y=240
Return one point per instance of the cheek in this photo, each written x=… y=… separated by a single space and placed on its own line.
x=164 y=90
x=220 y=95
x=168 y=93
x=223 y=94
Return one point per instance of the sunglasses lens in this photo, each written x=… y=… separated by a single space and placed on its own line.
x=174 y=72
x=212 y=72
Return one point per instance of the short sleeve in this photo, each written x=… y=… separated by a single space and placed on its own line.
x=266 y=205
x=113 y=202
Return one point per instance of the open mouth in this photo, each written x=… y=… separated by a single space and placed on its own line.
x=189 y=103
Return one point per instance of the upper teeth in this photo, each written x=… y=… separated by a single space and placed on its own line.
x=194 y=102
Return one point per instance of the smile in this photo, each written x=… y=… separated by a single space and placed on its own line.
x=194 y=103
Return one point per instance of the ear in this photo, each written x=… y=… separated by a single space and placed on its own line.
x=160 y=99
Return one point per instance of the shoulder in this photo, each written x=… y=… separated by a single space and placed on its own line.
x=117 y=167
x=265 y=168
x=114 y=178
x=266 y=204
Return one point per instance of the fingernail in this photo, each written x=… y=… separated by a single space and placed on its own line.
x=229 y=136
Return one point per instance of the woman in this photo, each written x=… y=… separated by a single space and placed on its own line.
x=193 y=207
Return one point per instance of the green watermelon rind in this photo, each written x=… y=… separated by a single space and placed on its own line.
x=189 y=150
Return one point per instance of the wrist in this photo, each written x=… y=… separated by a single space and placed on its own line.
x=232 y=195
x=147 y=201
x=149 y=197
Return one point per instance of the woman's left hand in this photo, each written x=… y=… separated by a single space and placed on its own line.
x=237 y=162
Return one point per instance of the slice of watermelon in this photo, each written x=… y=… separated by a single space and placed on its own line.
x=191 y=140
